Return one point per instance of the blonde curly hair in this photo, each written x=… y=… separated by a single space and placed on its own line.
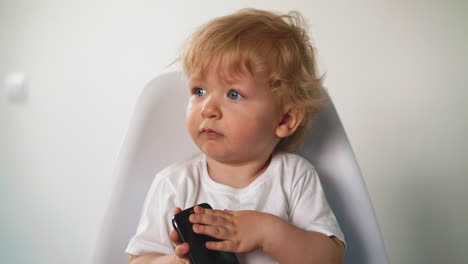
x=258 y=40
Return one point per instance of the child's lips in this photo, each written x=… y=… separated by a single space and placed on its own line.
x=210 y=132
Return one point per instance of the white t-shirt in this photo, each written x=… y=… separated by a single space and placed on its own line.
x=288 y=188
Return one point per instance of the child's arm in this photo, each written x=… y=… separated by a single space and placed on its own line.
x=246 y=231
x=179 y=256
x=289 y=244
x=152 y=258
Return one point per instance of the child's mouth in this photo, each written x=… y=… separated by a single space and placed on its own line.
x=210 y=132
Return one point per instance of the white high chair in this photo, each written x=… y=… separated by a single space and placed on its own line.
x=157 y=137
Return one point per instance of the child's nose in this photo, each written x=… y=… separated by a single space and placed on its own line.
x=211 y=109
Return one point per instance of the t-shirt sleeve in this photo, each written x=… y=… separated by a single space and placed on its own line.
x=310 y=209
x=153 y=229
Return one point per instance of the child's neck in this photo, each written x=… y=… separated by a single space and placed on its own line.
x=237 y=175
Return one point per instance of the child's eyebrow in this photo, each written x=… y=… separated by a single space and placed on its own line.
x=193 y=83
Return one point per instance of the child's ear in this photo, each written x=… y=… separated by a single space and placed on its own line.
x=291 y=119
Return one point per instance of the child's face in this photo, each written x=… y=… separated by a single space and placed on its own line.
x=233 y=122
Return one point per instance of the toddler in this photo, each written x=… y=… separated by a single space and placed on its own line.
x=254 y=90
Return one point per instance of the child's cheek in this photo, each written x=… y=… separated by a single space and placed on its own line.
x=242 y=130
x=191 y=121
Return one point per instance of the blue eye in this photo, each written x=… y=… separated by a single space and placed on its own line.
x=199 y=91
x=232 y=94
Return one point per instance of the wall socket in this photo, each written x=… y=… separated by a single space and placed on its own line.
x=16 y=87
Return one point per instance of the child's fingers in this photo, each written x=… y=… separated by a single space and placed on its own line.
x=213 y=231
x=182 y=250
x=200 y=210
x=207 y=219
x=174 y=236
x=213 y=212
x=211 y=217
x=225 y=245
x=177 y=210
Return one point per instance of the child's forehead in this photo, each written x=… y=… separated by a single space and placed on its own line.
x=227 y=71
x=222 y=74
x=223 y=78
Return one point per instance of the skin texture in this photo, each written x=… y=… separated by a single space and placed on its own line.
x=234 y=124
x=246 y=231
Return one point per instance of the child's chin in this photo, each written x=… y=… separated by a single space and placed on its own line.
x=216 y=155
x=219 y=156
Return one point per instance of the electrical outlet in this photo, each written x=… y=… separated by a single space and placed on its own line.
x=15 y=84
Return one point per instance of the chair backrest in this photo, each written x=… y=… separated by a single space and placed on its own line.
x=157 y=137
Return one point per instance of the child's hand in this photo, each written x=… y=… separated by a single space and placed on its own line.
x=181 y=249
x=241 y=231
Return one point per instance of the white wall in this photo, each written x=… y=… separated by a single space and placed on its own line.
x=397 y=71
